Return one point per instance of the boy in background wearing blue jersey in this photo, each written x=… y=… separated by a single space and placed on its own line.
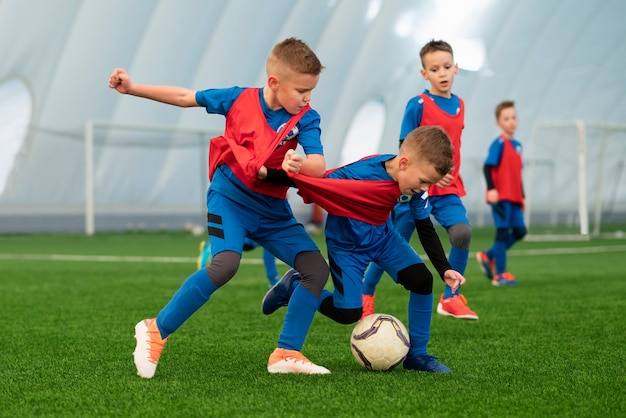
x=355 y=239
x=261 y=125
x=505 y=195
x=436 y=107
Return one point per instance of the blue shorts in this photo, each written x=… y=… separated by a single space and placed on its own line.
x=448 y=210
x=277 y=230
x=348 y=267
x=507 y=215
x=402 y=220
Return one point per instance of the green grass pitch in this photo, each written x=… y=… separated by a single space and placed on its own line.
x=554 y=346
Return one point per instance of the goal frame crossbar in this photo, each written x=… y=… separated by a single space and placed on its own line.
x=92 y=125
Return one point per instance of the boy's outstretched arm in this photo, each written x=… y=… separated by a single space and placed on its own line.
x=292 y=162
x=176 y=96
x=454 y=279
x=432 y=245
x=314 y=165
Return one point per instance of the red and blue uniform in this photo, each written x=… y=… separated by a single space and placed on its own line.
x=504 y=165
x=356 y=237
x=240 y=206
x=431 y=110
x=503 y=172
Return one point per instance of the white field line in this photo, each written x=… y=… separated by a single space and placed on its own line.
x=244 y=260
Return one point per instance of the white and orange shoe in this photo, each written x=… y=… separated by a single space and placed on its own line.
x=456 y=306
x=292 y=361
x=149 y=347
x=368 y=305
x=504 y=279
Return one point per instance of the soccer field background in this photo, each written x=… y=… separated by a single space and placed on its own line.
x=552 y=346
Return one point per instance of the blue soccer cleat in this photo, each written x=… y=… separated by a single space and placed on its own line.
x=424 y=363
x=504 y=279
x=486 y=264
x=281 y=292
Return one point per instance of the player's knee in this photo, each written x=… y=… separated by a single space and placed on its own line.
x=502 y=235
x=519 y=233
x=339 y=315
x=314 y=270
x=416 y=278
x=460 y=235
x=247 y=246
x=223 y=267
x=348 y=316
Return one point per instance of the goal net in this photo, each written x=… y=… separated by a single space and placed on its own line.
x=144 y=173
x=574 y=178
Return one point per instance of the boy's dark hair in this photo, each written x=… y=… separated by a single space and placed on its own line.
x=296 y=55
x=505 y=104
x=432 y=144
x=433 y=46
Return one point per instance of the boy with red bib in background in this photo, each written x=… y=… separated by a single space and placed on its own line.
x=505 y=194
x=437 y=107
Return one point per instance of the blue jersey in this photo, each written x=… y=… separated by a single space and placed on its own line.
x=353 y=244
x=415 y=108
x=420 y=208
x=349 y=233
x=307 y=132
x=495 y=151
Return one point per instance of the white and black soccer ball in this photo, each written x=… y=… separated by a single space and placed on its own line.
x=379 y=342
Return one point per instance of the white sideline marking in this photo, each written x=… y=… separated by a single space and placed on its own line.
x=112 y=258
x=244 y=260
x=563 y=251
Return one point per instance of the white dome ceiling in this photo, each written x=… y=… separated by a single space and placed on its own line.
x=559 y=60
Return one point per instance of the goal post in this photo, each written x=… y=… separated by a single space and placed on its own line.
x=585 y=157
x=148 y=169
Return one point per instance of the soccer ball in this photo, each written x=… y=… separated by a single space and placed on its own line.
x=379 y=342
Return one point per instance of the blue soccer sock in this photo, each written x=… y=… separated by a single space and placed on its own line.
x=325 y=294
x=373 y=274
x=510 y=240
x=300 y=312
x=458 y=260
x=499 y=255
x=194 y=293
x=420 y=314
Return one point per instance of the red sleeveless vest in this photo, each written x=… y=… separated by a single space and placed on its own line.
x=249 y=142
x=369 y=201
x=433 y=115
x=507 y=176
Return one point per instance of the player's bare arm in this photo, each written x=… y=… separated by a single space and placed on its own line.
x=314 y=165
x=292 y=162
x=172 y=95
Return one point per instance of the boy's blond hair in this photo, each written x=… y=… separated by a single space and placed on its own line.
x=295 y=55
x=434 y=46
x=431 y=144
x=505 y=104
